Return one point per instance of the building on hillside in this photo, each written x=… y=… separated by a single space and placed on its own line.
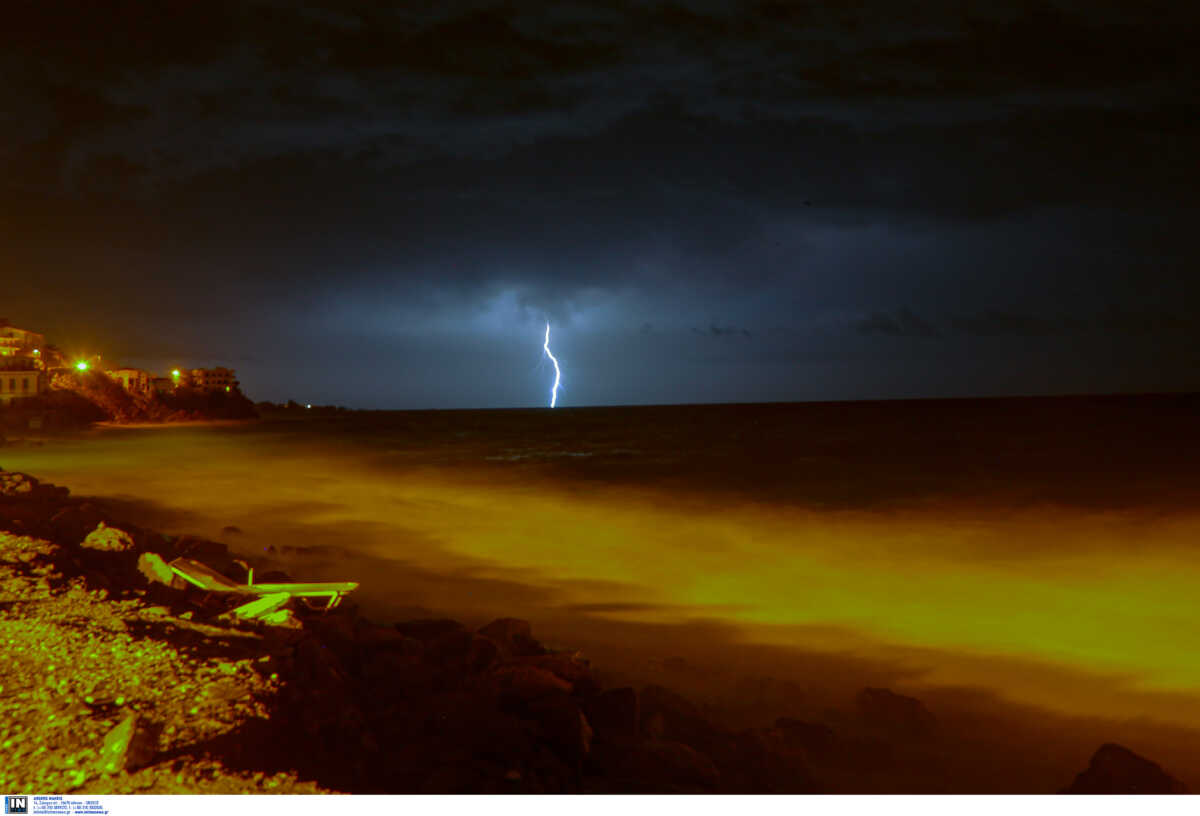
x=19 y=384
x=14 y=363
x=212 y=379
x=162 y=385
x=51 y=357
x=21 y=343
x=133 y=380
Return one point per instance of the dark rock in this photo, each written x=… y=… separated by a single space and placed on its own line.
x=667 y=715
x=457 y=778
x=449 y=648
x=317 y=667
x=507 y=627
x=895 y=713
x=524 y=683
x=98 y=580
x=513 y=636
x=816 y=739
x=1115 y=769
x=30 y=514
x=231 y=529
x=769 y=692
x=786 y=768
x=107 y=539
x=482 y=655
x=387 y=674
x=757 y=761
x=316 y=550
x=563 y=725
x=213 y=553
x=114 y=753
x=678 y=665
x=569 y=667
x=673 y=767
x=427 y=630
x=614 y=714
x=375 y=636
x=72 y=523
x=21 y=487
x=17 y=485
x=867 y=754
x=143 y=746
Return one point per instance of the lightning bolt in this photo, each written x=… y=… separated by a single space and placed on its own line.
x=557 y=373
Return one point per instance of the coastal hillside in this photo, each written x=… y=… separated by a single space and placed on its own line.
x=76 y=399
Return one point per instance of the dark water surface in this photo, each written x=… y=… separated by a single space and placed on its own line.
x=1015 y=559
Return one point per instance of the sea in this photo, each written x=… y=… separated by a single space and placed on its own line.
x=1029 y=561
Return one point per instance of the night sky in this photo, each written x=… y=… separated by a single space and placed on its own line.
x=380 y=205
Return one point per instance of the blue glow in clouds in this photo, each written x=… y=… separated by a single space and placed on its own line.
x=557 y=374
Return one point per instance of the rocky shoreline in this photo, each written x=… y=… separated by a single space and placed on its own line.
x=129 y=682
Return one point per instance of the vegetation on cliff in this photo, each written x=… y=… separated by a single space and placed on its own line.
x=79 y=398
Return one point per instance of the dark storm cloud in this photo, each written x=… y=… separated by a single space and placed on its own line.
x=723 y=332
x=366 y=170
x=995 y=323
x=1008 y=323
x=900 y=324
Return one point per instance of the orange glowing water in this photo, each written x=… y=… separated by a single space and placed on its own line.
x=1041 y=550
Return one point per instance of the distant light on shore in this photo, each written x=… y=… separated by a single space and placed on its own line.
x=82 y=365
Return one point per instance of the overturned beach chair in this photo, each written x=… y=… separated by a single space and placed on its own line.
x=267 y=597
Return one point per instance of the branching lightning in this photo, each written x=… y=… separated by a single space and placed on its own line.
x=557 y=373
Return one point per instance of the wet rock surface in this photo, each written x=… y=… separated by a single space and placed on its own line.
x=107 y=539
x=1114 y=769
x=894 y=713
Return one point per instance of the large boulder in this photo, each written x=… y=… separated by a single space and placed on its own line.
x=514 y=637
x=213 y=553
x=1116 y=769
x=757 y=761
x=570 y=667
x=665 y=766
x=426 y=630
x=667 y=715
x=129 y=745
x=17 y=485
x=156 y=571
x=614 y=715
x=517 y=683
x=462 y=651
x=108 y=539
x=72 y=523
x=22 y=487
x=815 y=739
x=895 y=713
x=562 y=725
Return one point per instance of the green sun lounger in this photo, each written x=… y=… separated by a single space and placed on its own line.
x=208 y=579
